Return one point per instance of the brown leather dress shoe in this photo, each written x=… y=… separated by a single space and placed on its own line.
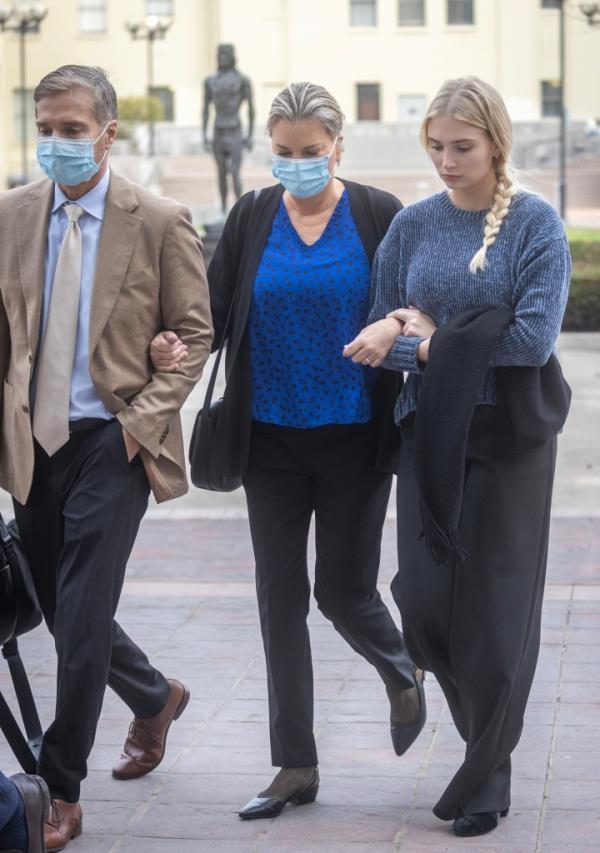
x=147 y=739
x=36 y=802
x=64 y=823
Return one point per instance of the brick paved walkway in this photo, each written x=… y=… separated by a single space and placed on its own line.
x=189 y=601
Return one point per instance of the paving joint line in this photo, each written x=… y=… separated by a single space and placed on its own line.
x=400 y=836
x=139 y=813
x=556 y=715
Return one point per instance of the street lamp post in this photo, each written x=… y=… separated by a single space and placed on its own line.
x=23 y=19
x=153 y=27
x=562 y=188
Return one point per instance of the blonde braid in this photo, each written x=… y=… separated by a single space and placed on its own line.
x=505 y=190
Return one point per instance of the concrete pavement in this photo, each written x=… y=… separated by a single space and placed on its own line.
x=189 y=601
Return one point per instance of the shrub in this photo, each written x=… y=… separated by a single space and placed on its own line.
x=583 y=308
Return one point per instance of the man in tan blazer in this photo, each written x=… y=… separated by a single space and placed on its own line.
x=92 y=267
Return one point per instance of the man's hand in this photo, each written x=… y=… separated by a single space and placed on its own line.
x=247 y=143
x=167 y=352
x=208 y=146
x=372 y=345
x=131 y=445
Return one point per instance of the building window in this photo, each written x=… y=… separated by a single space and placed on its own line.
x=411 y=108
x=411 y=13
x=367 y=101
x=17 y=111
x=92 y=16
x=162 y=8
x=551 y=98
x=461 y=12
x=363 y=13
x=551 y=4
x=167 y=98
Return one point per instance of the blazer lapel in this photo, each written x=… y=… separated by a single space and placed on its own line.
x=119 y=234
x=32 y=238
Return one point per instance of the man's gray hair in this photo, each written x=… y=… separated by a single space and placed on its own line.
x=307 y=100
x=104 y=97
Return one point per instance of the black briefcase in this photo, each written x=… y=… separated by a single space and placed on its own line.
x=19 y=613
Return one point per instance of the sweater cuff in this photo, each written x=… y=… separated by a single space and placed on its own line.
x=403 y=355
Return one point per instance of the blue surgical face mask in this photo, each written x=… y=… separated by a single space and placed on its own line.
x=304 y=177
x=69 y=161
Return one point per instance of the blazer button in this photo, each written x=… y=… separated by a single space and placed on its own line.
x=26 y=409
x=30 y=359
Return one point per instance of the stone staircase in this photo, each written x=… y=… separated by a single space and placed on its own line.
x=192 y=180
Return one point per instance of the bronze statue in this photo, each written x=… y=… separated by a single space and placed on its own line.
x=227 y=90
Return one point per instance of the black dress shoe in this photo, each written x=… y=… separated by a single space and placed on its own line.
x=476 y=824
x=405 y=734
x=270 y=806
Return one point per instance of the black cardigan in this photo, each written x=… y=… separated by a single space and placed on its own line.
x=232 y=270
x=532 y=406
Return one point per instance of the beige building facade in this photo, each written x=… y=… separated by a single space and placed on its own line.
x=383 y=59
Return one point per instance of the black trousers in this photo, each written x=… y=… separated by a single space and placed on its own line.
x=476 y=625
x=294 y=473
x=78 y=528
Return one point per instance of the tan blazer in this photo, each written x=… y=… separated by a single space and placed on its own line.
x=149 y=276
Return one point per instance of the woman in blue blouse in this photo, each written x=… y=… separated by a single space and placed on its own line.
x=311 y=432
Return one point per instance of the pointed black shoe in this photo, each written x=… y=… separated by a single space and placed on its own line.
x=264 y=807
x=468 y=825
x=405 y=734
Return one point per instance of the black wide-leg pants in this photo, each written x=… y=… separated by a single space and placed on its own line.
x=292 y=474
x=476 y=625
x=78 y=528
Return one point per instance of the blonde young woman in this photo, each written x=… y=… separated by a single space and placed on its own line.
x=471 y=604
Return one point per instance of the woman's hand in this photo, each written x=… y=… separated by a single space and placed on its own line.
x=167 y=351
x=372 y=345
x=423 y=351
x=417 y=324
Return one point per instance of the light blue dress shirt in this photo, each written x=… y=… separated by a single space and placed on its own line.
x=84 y=402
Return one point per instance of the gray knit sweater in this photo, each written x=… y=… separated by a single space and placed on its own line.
x=423 y=261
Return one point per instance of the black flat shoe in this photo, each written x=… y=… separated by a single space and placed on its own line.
x=405 y=734
x=476 y=824
x=263 y=807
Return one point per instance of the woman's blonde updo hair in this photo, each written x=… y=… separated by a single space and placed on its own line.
x=306 y=100
x=471 y=100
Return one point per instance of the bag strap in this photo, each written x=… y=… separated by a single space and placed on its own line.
x=215 y=370
x=26 y=751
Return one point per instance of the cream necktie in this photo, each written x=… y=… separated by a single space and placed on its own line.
x=53 y=382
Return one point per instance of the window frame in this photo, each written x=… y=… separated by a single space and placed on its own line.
x=32 y=132
x=449 y=6
x=545 y=100
x=149 y=11
x=169 y=114
x=91 y=7
x=421 y=23
x=356 y=5
x=375 y=87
